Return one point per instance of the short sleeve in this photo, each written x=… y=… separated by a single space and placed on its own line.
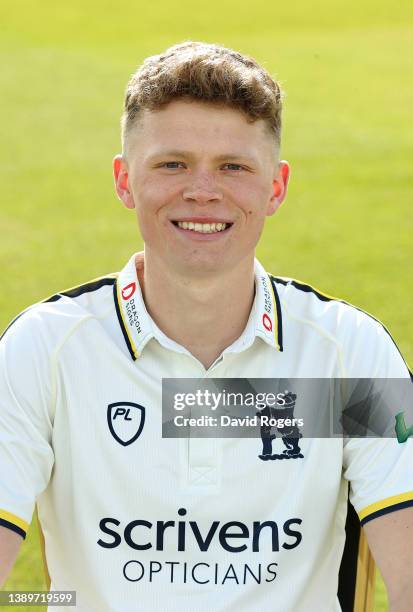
x=26 y=455
x=379 y=470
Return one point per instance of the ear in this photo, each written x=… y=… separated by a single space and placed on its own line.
x=280 y=185
x=121 y=176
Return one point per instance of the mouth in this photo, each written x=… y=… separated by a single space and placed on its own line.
x=203 y=228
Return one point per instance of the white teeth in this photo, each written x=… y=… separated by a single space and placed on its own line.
x=204 y=228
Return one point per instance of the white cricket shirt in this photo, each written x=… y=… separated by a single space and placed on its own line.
x=185 y=524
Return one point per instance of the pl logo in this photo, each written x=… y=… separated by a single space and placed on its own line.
x=125 y=421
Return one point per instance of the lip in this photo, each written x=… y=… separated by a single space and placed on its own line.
x=198 y=236
x=200 y=220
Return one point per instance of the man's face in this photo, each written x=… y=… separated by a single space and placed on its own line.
x=202 y=180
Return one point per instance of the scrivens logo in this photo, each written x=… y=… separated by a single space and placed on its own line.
x=128 y=291
x=259 y=543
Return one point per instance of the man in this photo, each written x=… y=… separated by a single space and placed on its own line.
x=134 y=521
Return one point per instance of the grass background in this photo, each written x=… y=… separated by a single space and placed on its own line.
x=347 y=224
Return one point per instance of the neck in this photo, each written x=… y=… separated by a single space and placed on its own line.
x=204 y=314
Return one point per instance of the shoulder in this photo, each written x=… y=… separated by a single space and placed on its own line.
x=48 y=321
x=357 y=334
x=302 y=301
x=31 y=346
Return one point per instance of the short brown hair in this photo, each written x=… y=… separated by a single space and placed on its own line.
x=207 y=72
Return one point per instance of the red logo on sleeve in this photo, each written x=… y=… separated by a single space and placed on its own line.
x=128 y=291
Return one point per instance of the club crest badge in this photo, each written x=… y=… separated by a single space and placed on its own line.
x=290 y=435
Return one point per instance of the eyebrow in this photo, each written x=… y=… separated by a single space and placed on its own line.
x=187 y=154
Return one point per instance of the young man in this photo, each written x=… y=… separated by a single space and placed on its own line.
x=134 y=521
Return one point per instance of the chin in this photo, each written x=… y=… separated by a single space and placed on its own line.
x=200 y=263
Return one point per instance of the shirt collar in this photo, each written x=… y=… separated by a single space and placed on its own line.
x=134 y=320
x=138 y=327
x=268 y=315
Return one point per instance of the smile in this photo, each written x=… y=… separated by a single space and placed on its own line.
x=202 y=228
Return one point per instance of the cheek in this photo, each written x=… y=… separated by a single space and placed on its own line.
x=148 y=192
x=253 y=197
x=151 y=196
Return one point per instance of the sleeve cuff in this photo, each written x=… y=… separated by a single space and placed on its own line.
x=385 y=506
x=14 y=523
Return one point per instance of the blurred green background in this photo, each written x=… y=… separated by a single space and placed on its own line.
x=347 y=224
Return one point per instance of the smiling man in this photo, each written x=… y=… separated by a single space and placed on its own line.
x=137 y=522
x=202 y=178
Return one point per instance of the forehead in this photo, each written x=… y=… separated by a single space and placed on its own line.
x=187 y=124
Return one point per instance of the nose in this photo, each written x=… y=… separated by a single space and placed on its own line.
x=203 y=189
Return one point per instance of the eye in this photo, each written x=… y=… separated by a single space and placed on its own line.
x=172 y=165
x=234 y=167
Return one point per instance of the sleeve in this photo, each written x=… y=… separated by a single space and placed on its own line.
x=380 y=469
x=26 y=455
